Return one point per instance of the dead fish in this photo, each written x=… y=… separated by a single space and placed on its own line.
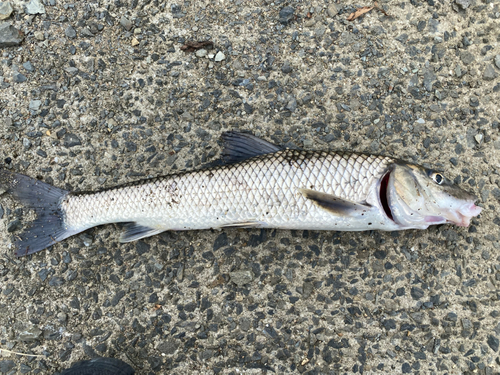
x=261 y=185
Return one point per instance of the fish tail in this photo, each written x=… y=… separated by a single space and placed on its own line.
x=45 y=199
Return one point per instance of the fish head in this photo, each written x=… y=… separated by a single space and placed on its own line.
x=417 y=197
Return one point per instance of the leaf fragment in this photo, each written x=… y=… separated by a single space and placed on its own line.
x=360 y=11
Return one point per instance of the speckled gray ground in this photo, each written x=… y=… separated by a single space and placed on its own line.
x=100 y=93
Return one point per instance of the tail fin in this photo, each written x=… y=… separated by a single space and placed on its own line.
x=48 y=227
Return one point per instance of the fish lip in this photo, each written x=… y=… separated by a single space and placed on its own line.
x=466 y=213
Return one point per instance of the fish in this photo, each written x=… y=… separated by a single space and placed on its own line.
x=257 y=185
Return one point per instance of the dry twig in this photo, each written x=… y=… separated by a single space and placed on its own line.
x=23 y=354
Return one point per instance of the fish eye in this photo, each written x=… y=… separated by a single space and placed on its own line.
x=438 y=178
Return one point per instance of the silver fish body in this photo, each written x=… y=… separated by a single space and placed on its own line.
x=261 y=186
x=265 y=191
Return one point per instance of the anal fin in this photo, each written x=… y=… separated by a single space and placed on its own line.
x=334 y=204
x=134 y=231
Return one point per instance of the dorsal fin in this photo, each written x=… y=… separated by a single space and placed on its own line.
x=241 y=146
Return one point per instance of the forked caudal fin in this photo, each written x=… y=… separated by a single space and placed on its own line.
x=48 y=227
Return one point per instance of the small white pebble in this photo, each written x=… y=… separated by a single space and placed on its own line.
x=219 y=57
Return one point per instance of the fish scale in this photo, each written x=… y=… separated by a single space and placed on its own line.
x=260 y=192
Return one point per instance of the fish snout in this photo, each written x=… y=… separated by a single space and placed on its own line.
x=463 y=216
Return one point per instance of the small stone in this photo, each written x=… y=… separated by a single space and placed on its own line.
x=421 y=26
x=320 y=30
x=497 y=61
x=169 y=346
x=35 y=105
x=241 y=277
x=493 y=343
x=201 y=52
x=478 y=138
x=452 y=316
x=71 y=140
x=9 y=35
x=391 y=354
x=1 y=212
x=389 y=324
x=433 y=25
x=307 y=289
x=429 y=78
x=5 y=10
x=27 y=65
x=332 y=10
x=62 y=317
x=86 y=32
x=219 y=56
x=402 y=38
x=6 y=366
x=416 y=293
x=466 y=323
x=72 y=70
x=489 y=73
x=70 y=32
x=221 y=241
x=310 y=22
x=467 y=57
x=35 y=7
x=134 y=42
x=27 y=332
x=117 y=297
x=292 y=104
x=176 y=11
x=39 y=35
x=286 y=15
x=125 y=22
x=19 y=78
x=463 y=4
x=56 y=281
x=286 y=68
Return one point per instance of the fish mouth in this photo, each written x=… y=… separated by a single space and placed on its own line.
x=384 y=195
x=464 y=214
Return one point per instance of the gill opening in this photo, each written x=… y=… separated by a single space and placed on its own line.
x=383 y=195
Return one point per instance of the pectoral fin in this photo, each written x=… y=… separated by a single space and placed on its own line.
x=134 y=232
x=335 y=205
